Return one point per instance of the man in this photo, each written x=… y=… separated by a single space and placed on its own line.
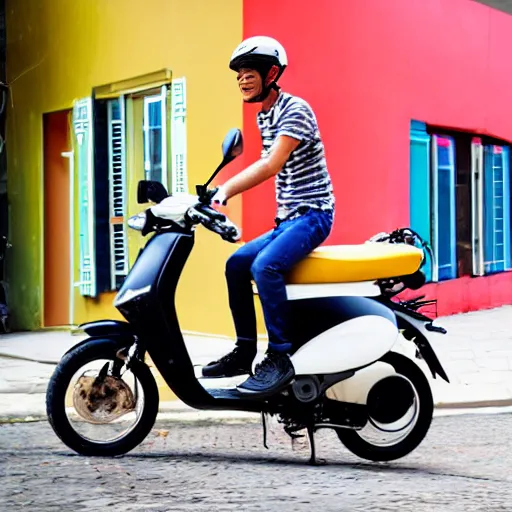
x=293 y=152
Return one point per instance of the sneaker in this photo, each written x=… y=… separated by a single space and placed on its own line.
x=272 y=375
x=237 y=362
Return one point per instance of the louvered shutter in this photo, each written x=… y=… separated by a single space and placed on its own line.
x=117 y=180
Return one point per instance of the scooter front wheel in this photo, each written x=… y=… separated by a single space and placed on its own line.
x=402 y=413
x=106 y=410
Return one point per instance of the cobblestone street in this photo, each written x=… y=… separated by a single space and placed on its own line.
x=463 y=465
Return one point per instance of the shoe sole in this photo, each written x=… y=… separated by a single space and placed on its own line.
x=222 y=376
x=262 y=394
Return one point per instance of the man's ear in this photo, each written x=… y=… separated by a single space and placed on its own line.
x=272 y=74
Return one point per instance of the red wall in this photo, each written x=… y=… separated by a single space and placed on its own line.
x=368 y=67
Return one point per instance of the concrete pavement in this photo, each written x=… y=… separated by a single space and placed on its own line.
x=476 y=353
x=463 y=465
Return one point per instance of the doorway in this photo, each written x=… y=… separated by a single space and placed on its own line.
x=57 y=254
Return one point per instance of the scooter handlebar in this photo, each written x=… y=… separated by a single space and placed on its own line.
x=214 y=221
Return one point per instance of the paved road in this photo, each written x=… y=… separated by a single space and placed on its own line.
x=464 y=465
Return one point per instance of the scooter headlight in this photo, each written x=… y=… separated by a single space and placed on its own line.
x=130 y=294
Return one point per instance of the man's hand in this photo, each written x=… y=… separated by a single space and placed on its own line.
x=261 y=170
x=219 y=196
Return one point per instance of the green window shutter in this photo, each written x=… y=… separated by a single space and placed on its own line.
x=83 y=134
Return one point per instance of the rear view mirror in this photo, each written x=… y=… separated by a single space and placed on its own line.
x=233 y=145
x=151 y=191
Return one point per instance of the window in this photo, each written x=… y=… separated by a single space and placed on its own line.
x=155 y=137
x=420 y=185
x=496 y=209
x=105 y=187
x=110 y=197
x=460 y=201
x=443 y=207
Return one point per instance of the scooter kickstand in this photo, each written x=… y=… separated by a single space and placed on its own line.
x=264 y=422
x=311 y=437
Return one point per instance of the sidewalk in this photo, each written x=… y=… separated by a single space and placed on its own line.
x=476 y=354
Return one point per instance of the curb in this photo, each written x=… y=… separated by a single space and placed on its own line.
x=506 y=402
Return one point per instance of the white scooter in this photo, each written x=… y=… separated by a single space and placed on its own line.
x=349 y=377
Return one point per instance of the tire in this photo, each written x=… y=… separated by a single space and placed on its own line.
x=55 y=400
x=364 y=449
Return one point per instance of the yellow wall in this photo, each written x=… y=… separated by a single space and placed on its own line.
x=58 y=51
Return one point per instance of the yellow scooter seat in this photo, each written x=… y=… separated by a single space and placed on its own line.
x=356 y=263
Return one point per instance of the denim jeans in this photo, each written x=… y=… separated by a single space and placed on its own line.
x=267 y=259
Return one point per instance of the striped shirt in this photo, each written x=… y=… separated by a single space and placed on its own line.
x=304 y=179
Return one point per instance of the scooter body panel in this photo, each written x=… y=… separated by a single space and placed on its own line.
x=356 y=388
x=147 y=301
x=349 y=345
x=312 y=291
x=311 y=318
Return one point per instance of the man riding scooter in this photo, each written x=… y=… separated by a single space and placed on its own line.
x=293 y=152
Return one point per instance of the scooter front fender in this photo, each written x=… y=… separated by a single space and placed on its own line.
x=106 y=328
x=119 y=341
x=119 y=332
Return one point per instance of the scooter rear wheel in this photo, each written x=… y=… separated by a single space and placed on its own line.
x=353 y=440
x=99 y=402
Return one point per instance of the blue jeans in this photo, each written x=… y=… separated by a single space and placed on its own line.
x=267 y=259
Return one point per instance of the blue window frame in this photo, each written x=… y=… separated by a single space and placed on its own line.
x=497 y=257
x=433 y=199
x=443 y=207
x=419 y=186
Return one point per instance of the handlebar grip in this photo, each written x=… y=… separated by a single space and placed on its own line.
x=211 y=212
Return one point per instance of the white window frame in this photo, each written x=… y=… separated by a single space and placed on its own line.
x=149 y=100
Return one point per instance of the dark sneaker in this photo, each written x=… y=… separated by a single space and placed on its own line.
x=237 y=362
x=272 y=375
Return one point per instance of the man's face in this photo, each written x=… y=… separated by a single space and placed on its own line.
x=250 y=83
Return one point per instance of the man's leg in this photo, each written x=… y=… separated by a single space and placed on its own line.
x=292 y=242
x=241 y=302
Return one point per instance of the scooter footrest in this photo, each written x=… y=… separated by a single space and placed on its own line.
x=229 y=393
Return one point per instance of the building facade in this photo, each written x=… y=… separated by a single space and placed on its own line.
x=104 y=94
x=411 y=99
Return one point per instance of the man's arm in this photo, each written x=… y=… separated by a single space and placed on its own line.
x=263 y=169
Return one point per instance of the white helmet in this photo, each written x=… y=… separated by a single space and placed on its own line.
x=259 y=52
